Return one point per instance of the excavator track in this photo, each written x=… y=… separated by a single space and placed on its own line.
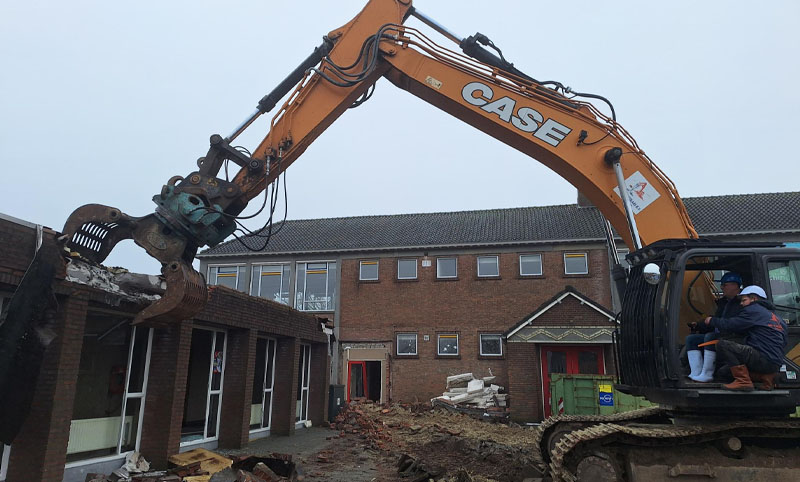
x=541 y=453
x=576 y=444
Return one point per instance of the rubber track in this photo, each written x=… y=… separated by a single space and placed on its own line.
x=538 y=436
x=572 y=439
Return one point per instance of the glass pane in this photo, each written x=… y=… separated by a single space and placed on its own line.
x=307 y=374
x=265 y=422
x=304 y=414
x=300 y=287
x=556 y=362
x=271 y=285
x=130 y=424
x=407 y=268
x=448 y=344
x=227 y=275
x=446 y=267
x=213 y=407
x=487 y=266
x=219 y=350
x=491 y=345
x=369 y=270
x=285 y=285
x=136 y=377
x=100 y=388
x=331 y=287
x=270 y=364
x=258 y=376
x=196 y=398
x=300 y=372
x=316 y=288
x=588 y=363
x=407 y=344
x=356 y=380
x=785 y=287
x=575 y=263
x=530 y=264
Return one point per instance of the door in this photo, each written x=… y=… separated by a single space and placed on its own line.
x=357 y=380
x=569 y=359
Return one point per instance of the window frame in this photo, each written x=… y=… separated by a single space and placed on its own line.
x=256 y=290
x=448 y=335
x=583 y=254
x=330 y=305
x=239 y=273
x=455 y=259
x=397 y=344
x=416 y=268
x=541 y=265
x=480 y=345
x=478 y=265
x=369 y=262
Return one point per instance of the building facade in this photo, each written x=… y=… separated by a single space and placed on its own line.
x=243 y=368
x=520 y=293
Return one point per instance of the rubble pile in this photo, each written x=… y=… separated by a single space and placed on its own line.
x=474 y=396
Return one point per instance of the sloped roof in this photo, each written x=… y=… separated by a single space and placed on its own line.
x=712 y=215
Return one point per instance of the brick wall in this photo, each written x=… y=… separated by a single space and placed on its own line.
x=468 y=306
x=526 y=382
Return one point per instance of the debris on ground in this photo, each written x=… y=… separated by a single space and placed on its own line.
x=477 y=397
x=440 y=445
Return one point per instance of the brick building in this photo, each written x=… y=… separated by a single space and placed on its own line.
x=243 y=368
x=415 y=298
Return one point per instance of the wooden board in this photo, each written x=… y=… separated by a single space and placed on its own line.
x=209 y=461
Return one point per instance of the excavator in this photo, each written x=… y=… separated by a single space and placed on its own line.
x=697 y=431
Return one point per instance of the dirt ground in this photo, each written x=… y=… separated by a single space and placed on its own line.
x=367 y=442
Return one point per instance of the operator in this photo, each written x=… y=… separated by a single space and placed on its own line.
x=702 y=361
x=765 y=339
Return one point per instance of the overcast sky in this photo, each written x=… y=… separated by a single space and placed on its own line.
x=103 y=101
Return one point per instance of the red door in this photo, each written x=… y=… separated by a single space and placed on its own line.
x=570 y=359
x=356 y=380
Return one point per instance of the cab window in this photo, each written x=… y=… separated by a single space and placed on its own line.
x=784 y=283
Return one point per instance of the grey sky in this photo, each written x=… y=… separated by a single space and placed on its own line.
x=102 y=102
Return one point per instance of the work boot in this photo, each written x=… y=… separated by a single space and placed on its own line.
x=767 y=380
x=707 y=373
x=741 y=379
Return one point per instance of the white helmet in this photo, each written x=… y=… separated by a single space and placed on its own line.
x=754 y=290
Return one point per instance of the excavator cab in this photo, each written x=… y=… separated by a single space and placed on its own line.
x=673 y=283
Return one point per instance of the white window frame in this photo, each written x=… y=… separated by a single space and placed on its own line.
x=583 y=254
x=209 y=391
x=497 y=264
x=126 y=395
x=438 y=275
x=415 y=268
x=330 y=304
x=541 y=264
x=255 y=288
x=229 y=265
x=305 y=385
x=369 y=262
x=480 y=344
x=449 y=335
x=397 y=344
x=265 y=389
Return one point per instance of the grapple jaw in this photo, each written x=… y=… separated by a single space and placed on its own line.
x=93 y=230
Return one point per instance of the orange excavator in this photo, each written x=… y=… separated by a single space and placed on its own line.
x=698 y=430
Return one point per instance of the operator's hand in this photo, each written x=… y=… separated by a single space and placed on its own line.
x=708 y=320
x=692 y=326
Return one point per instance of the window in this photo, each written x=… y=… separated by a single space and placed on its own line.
x=446 y=267
x=784 y=282
x=407 y=269
x=110 y=390
x=491 y=345
x=407 y=344
x=263 y=385
x=576 y=263
x=488 y=266
x=448 y=345
x=303 y=385
x=368 y=271
x=621 y=253
x=530 y=265
x=271 y=281
x=316 y=286
x=225 y=276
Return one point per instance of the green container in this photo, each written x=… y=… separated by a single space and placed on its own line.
x=590 y=395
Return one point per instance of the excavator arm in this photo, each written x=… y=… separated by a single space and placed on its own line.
x=541 y=119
